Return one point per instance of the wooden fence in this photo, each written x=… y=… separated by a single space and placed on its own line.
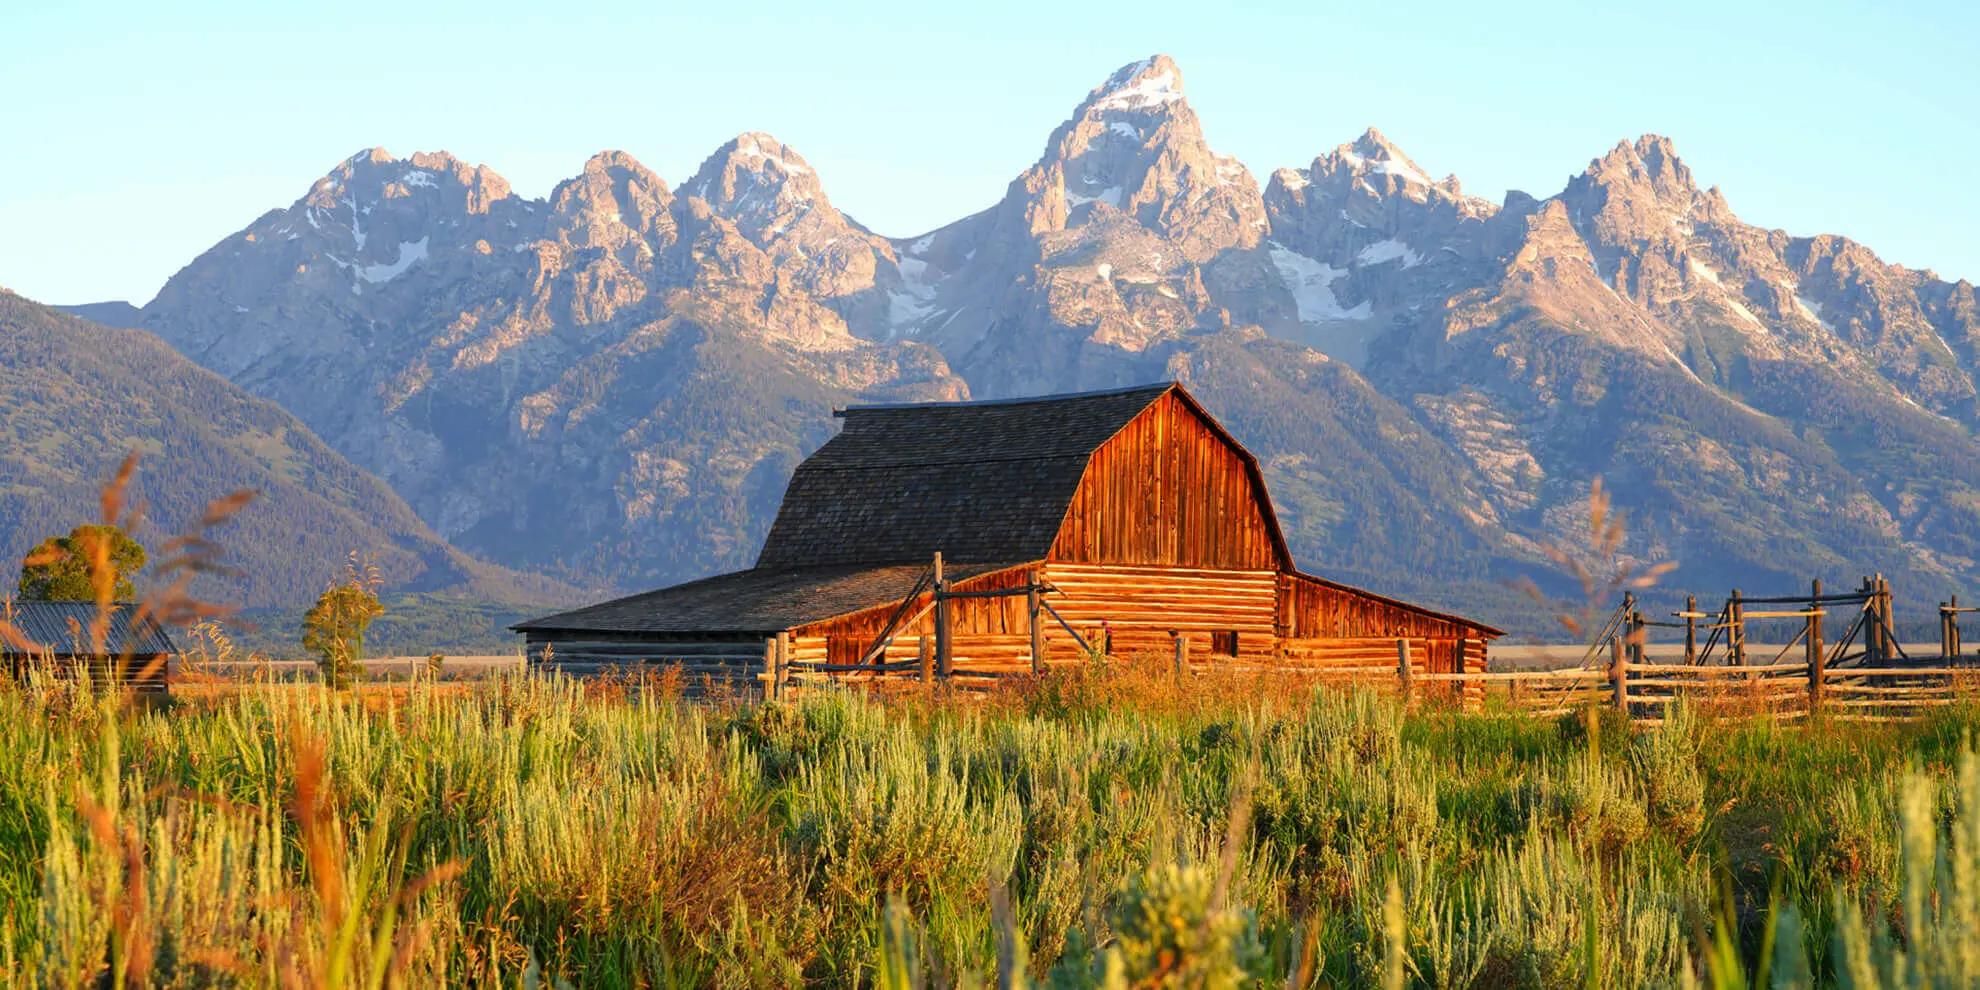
x=783 y=667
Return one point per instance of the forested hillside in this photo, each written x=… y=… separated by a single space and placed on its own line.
x=76 y=398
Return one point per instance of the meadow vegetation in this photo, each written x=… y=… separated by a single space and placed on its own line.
x=1099 y=827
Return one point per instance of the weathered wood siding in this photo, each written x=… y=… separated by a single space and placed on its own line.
x=1168 y=490
x=1313 y=609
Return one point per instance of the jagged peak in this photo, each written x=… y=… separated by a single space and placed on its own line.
x=1374 y=152
x=610 y=160
x=1151 y=83
x=374 y=172
x=1652 y=158
x=756 y=150
x=764 y=160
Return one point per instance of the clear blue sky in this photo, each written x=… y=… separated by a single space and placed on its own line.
x=133 y=135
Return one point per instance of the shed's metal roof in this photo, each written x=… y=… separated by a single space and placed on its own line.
x=63 y=629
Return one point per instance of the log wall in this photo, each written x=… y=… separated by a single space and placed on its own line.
x=1167 y=489
x=1138 y=606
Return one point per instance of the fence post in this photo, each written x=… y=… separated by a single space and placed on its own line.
x=783 y=661
x=1690 y=629
x=1882 y=602
x=1736 y=629
x=1619 y=674
x=770 y=666
x=1182 y=655
x=1952 y=628
x=1817 y=656
x=1629 y=619
x=1945 y=631
x=1031 y=603
x=927 y=658
x=1638 y=638
x=943 y=648
x=1402 y=669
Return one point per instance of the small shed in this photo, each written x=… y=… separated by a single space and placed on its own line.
x=1114 y=521
x=136 y=649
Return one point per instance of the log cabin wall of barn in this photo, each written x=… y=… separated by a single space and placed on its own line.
x=849 y=636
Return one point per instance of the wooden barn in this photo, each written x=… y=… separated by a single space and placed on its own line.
x=987 y=538
x=136 y=651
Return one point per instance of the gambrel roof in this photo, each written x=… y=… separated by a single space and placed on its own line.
x=978 y=481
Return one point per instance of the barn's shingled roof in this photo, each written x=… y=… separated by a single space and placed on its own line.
x=758 y=602
x=62 y=628
x=978 y=481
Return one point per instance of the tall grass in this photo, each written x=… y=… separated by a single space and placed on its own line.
x=1099 y=828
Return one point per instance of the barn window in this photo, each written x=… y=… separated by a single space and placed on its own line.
x=1224 y=643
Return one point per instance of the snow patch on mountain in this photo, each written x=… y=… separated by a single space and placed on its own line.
x=1402 y=170
x=1110 y=195
x=1311 y=283
x=1150 y=91
x=1388 y=250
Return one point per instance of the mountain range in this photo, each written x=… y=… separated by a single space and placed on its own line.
x=610 y=386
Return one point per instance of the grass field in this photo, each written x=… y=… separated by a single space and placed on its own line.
x=1096 y=828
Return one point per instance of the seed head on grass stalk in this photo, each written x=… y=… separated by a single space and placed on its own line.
x=1597 y=567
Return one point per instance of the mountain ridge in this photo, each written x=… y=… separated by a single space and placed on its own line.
x=611 y=382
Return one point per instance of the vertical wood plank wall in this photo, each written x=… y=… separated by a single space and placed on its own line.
x=1167 y=490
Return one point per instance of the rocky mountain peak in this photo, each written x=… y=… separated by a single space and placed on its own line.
x=1649 y=165
x=1150 y=84
x=1134 y=151
x=1378 y=167
x=750 y=168
x=763 y=186
x=612 y=203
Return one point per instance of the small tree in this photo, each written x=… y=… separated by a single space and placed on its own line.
x=65 y=568
x=334 y=627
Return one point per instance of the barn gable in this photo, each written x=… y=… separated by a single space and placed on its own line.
x=1172 y=488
